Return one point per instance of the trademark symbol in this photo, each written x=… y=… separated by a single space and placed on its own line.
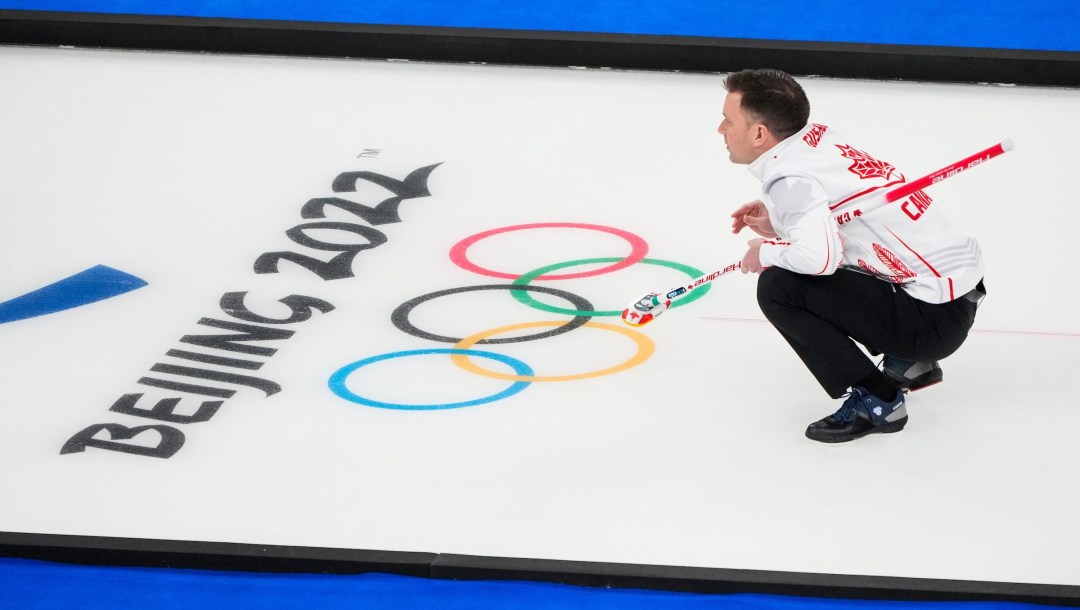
x=369 y=153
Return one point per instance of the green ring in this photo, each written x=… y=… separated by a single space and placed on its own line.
x=525 y=278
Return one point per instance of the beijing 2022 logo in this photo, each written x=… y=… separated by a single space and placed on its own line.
x=202 y=371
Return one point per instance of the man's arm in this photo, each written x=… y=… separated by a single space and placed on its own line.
x=810 y=239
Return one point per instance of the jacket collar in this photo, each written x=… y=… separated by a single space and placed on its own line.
x=759 y=167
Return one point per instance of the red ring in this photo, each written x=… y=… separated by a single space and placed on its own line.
x=638 y=250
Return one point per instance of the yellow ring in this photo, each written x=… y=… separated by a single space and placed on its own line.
x=646 y=347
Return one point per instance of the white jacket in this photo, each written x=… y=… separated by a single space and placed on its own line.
x=815 y=186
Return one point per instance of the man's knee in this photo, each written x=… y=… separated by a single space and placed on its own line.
x=774 y=284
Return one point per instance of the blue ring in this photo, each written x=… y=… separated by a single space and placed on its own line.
x=337 y=380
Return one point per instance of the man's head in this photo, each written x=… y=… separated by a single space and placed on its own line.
x=762 y=108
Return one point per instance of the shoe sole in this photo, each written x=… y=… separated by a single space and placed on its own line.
x=888 y=428
x=923 y=381
x=922 y=386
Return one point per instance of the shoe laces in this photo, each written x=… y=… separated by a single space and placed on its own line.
x=846 y=412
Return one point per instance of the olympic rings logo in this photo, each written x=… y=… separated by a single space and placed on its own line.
x=462 y=353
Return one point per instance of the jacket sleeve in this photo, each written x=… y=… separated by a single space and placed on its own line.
x=809 y=240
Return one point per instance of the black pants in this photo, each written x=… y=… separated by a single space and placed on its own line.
x=823 y=316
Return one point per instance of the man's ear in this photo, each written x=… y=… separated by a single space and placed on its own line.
x=760 y=134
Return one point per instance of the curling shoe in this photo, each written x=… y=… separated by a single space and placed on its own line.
x=911 y=376
x=862 y=413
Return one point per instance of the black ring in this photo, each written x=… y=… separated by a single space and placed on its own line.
x=400 y=317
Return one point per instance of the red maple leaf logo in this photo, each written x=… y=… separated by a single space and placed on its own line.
x=864 y=165
x=893 y=262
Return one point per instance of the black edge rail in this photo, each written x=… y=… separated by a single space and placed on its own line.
x=136 y=552
x=539 y=48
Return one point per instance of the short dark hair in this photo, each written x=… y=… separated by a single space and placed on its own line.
x=773 y=97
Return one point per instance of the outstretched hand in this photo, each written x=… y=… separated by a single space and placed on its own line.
x=755 y=216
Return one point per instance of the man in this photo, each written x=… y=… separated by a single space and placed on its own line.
x=898 y=279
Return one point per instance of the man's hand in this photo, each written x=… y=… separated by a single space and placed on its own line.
x=755 y=216
x=751 y=262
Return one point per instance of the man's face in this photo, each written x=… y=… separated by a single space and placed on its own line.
x=739 y=130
